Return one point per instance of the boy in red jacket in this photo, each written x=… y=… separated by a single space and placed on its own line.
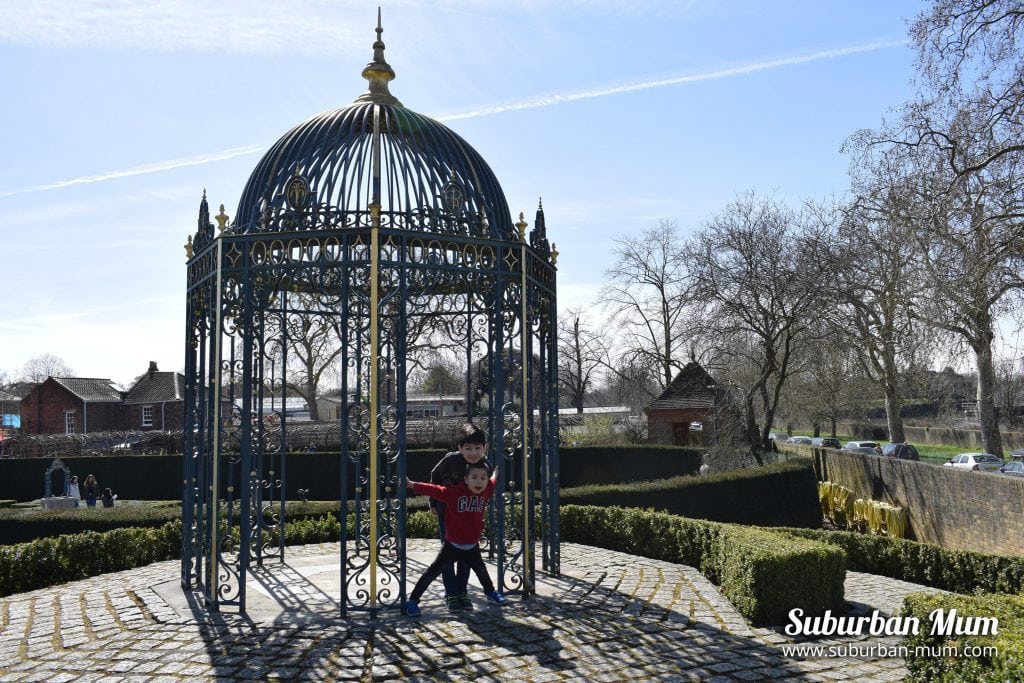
x=465 y=504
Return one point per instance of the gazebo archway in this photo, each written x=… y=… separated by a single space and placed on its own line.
x=382 y=230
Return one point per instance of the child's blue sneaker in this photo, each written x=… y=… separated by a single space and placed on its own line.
x=412 y=608
x=497 y=597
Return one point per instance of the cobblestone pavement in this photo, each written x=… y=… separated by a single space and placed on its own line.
x=610 y=617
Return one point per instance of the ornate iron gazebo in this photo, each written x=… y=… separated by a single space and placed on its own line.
x=377 y=232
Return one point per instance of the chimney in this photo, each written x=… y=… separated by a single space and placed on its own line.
x=152 y=368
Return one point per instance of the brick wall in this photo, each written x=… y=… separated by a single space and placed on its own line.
x=957 y=509
x=660 y=425
x=166 y=416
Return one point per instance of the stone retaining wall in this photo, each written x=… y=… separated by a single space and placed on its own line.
x=954 y=508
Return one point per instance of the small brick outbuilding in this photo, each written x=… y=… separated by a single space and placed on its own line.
x=71 y=405
x=684 y=414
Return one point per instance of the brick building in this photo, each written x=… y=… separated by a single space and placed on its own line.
x=71 y=405
x=684 y=414
x=155 y=401
x=79 y=405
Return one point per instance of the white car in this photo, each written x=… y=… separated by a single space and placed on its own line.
x=979 y=462
x=861 y=444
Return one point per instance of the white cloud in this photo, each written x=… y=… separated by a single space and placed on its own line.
x=267 y=27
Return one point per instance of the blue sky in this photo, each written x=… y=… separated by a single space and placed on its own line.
x=116 y=115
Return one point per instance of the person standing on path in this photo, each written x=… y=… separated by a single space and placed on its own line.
x=92 y=491
x=465 y=504
x=450 y=471
x=73 y=491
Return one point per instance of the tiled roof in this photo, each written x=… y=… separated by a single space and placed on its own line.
x=90 y=389
x=693 y=387
x=157 y=387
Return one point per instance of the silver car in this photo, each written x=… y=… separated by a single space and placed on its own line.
x=979 y=462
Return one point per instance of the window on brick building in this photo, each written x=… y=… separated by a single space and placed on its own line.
x=147 y=416
x=69 y=422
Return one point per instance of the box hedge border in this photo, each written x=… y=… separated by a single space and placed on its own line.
x=960 y=571
x=954 y=658
x=762 y=573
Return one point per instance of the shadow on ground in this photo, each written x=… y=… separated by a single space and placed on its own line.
x=580 y=630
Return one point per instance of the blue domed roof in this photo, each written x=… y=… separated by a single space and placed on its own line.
x=429 y=177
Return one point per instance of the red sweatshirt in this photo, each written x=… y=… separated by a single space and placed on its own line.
x=463 y=509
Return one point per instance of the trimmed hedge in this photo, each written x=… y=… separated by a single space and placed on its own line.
x=960 y=571
x=50 y=561
x=20 y=525
x=953 y=658
x=139 y=477
x=159 y=477
x=762 y=573
x=777 y=495
x=586 y=465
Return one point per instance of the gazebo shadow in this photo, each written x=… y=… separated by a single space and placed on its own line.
x=574 y=629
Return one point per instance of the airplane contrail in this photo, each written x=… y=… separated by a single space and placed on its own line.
x=155 y=167
x=536 y=103
x=550 y=100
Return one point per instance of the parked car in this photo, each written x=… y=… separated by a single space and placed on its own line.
x=861 y=444
x=862 y=450
x=902 y=451
x=781 y=437
x=1017 y=454
x=805 y=440
x=1014 y=468
x=979 y=462
x=825 y=442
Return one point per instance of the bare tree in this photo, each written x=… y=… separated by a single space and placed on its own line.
x=629 y=383
x=38 y=368
x=828 y=384
x=762 y=276
x=968 y=238
x=304 y=350
x=581 y=354
x=879 y=280
x=646 y=295
x=969 y=54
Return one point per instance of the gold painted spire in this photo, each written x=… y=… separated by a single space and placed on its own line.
x=378 y=73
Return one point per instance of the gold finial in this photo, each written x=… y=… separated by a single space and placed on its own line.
x=521 y=225
x=222 y=221
x=375 y=211
x=554 y=254
x=188 y=248
x=378 y=73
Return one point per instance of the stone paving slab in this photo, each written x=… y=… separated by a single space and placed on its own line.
x=609 y=617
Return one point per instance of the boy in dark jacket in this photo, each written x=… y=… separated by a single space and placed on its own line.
x=449 y=471
x=465 y=504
